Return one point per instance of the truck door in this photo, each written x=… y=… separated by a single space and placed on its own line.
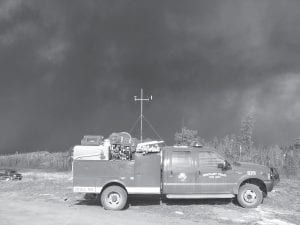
x=179 y=173
x=210 y=178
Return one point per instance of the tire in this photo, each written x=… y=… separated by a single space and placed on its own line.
x=250 y=196
x=114 y=198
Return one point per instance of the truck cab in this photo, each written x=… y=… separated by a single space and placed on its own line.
x=196 y=173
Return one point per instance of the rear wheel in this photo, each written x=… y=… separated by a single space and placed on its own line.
x=114 y=198
x=249 y=196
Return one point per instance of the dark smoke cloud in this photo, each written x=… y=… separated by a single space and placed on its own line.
x=72 y=68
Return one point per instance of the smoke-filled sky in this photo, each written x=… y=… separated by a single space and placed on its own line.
x=70 y=68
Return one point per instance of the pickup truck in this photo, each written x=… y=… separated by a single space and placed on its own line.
x=9 y=174
x=175 y=172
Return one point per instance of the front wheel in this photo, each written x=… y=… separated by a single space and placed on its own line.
x=114 y=198
x=249 y=196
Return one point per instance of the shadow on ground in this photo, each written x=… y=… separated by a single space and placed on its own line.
x=144 y=200
x=89 y=199
x=199 y=201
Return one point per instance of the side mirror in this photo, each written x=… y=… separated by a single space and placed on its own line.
x=224 y=166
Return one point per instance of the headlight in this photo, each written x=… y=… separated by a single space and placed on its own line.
x=273 y=173
x=270 y=174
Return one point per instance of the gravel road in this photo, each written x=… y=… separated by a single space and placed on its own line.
x=46 y=198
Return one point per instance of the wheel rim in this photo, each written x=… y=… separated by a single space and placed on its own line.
x=249 y=196
x=113 y=199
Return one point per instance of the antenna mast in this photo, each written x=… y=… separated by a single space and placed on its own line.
x=141 y=99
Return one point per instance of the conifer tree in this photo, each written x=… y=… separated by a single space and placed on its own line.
x=246 y=132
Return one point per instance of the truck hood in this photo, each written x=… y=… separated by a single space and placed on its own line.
x=250 y=166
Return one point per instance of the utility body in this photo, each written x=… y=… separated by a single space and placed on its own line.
x=174 y=172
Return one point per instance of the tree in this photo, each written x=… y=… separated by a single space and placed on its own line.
x=186 y=137
x=230 y=147
x=215 y=142
x=246 y=132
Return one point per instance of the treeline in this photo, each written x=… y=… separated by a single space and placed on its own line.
x=38 y=160
x=239 y=147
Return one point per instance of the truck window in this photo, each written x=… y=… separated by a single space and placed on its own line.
x=209 y=159
x=181 y=160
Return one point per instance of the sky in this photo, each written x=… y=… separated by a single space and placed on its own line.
x=71 y=68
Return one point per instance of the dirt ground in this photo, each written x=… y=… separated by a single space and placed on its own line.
x=44 y=198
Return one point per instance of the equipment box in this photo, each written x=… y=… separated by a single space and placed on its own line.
x=91 y=140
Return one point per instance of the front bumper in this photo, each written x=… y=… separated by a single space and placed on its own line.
x=269 y=185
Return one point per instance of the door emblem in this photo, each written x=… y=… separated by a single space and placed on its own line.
x=182 y=177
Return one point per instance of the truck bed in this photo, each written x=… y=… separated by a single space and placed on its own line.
x=138 y=176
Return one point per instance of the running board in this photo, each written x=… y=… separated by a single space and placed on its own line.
x=199 y=196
